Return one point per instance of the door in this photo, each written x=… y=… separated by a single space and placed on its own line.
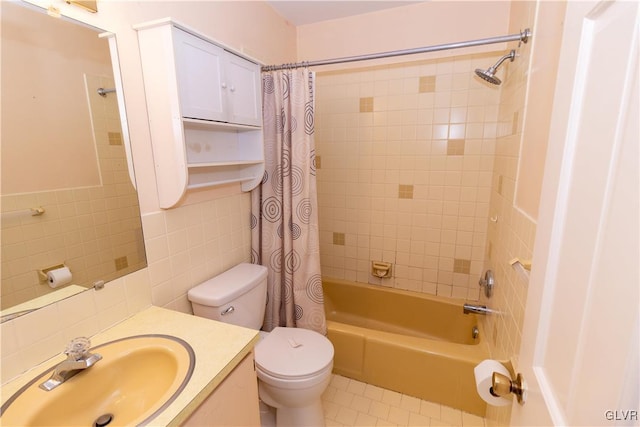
x=201 y=79
x=245 y=91
x=579 y=350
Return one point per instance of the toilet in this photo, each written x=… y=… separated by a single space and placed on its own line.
x=293 y=365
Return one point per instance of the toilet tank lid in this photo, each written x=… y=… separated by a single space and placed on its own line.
x=231 y=284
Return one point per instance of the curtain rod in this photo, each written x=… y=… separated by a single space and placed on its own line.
x=523 y=36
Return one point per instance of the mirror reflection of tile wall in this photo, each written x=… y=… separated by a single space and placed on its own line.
x=95 y=231
x=63 y=151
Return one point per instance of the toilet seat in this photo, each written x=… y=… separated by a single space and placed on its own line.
x=293 y=354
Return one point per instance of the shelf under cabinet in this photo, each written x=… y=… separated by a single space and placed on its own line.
x=249 y=173
x=189 y=122
x=213 y=184
x=212 y=143
x=226 y=163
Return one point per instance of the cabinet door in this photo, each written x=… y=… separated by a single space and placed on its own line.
x=233 y=403
x=200 y=73
x=245 y=91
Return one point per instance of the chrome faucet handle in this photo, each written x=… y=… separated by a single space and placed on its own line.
x=487 y=282
x=78 y=359
x=78 y=348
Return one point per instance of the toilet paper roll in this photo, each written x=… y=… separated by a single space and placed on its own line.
x=483 y=373
x=59 y=277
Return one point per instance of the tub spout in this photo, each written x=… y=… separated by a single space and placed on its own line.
x=477 y=309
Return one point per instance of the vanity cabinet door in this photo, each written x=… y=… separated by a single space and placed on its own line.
x=244 y=91
x=201 y=77
x=233 y=403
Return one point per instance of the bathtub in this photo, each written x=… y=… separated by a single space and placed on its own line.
x=412 y=343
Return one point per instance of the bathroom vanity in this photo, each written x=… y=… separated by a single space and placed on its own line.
x=223 y=388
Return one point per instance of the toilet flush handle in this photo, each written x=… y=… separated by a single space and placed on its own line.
x=227 y=311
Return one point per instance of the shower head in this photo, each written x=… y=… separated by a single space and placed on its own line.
x=489 y=74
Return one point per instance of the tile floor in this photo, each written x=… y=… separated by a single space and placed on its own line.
x=348 y=402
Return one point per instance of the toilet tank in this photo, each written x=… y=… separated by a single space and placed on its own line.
x=237 y=296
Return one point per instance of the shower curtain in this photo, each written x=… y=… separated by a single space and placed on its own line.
x=284 y=215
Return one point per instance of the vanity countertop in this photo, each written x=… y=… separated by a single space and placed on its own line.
x=218 y=347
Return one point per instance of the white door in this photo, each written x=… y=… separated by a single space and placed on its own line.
x=579 y=350
x=245 y=91
x=201 y=77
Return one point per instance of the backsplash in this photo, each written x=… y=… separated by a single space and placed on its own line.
x=405 y=170
x=35 y=337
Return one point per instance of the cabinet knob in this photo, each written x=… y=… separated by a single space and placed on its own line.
x=224 y=85
x=233 y=89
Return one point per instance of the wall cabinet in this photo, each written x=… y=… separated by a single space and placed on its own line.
x=205 y=111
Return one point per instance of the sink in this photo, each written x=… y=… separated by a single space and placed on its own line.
x=136 y=379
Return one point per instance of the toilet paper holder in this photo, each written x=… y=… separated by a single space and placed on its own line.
x=502 y=385
x=42 y=274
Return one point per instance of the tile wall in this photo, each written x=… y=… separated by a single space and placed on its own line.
x=406 y=157
x=188 y=245
x=512 y=234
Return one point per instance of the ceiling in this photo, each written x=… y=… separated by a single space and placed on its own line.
x=302 y=12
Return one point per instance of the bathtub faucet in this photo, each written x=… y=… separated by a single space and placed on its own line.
x=477 y=309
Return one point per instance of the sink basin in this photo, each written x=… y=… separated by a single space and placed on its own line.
x=136 y=379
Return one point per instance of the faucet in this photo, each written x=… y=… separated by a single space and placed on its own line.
x=78 y=359
x=477 y=309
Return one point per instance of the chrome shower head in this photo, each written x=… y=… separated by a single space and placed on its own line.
x=489 y=74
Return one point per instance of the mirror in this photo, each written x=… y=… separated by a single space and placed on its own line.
x=67 y=198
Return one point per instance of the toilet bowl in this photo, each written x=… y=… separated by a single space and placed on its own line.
x=294 y=368
x=293 y=365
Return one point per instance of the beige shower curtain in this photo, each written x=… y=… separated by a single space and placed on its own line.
x=284 y=214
